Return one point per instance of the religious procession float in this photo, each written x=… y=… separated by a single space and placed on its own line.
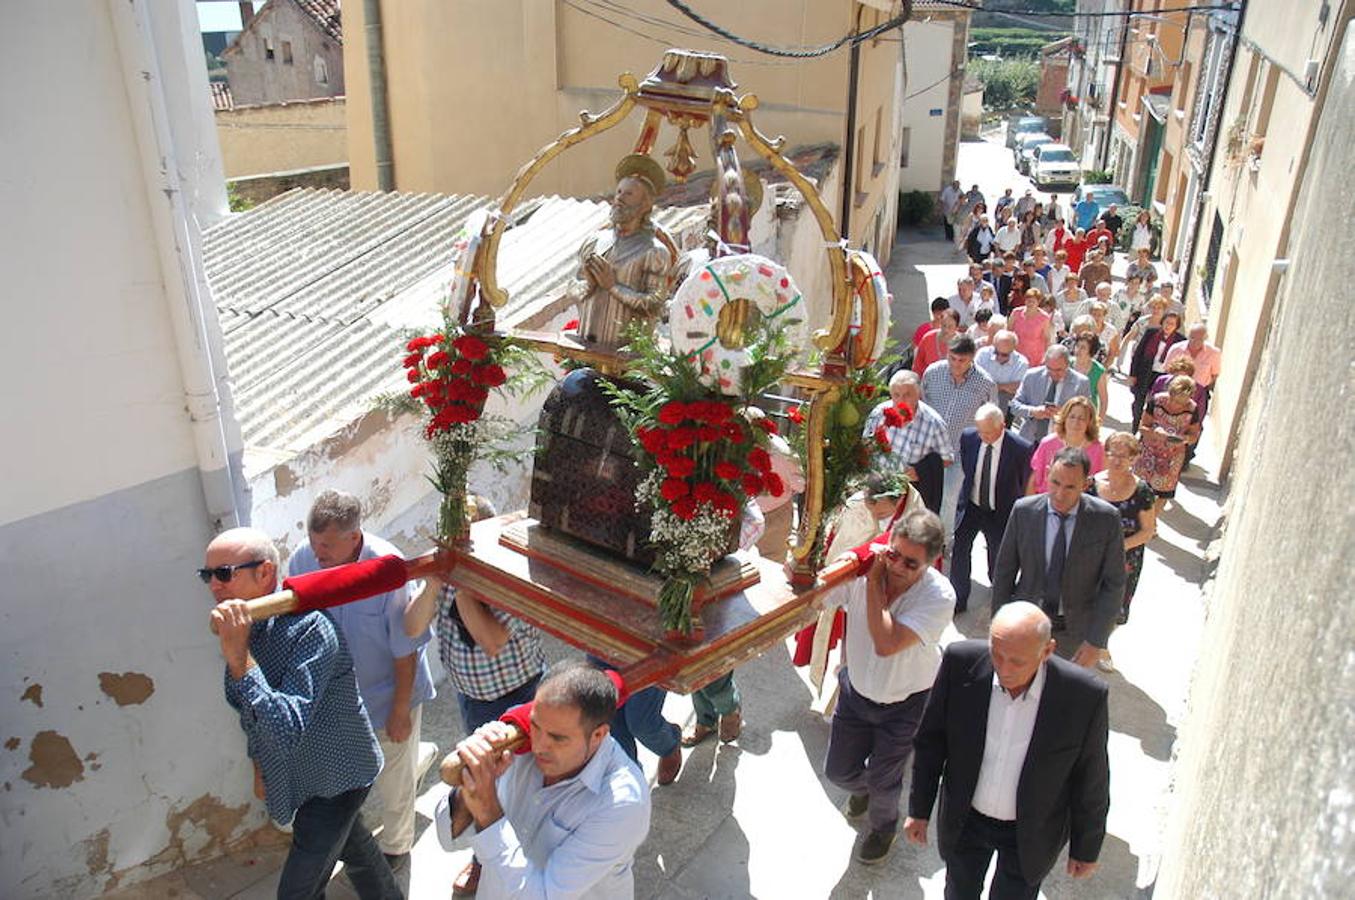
x=686 y=373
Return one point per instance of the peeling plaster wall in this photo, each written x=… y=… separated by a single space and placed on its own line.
x=120 y=756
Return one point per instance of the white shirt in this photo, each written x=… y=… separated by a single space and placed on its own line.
x=964 y=308
x=576 y=838
x=1007 y=238
x=1057 y=276
x=995 y=455
x=1010 y=725
x=925 y=609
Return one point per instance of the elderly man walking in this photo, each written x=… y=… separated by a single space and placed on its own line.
x=956 y=388
x=391 y=667
x=1014 y=740
x=1044 y=389
x=291 y=679
x=919 y=448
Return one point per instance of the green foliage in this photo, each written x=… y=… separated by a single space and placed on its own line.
x=1010 y=42
x=916 y=207
x=238 y=202
x=1097 y=176
x=1007 y=83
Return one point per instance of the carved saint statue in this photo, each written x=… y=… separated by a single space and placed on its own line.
x=624 y=273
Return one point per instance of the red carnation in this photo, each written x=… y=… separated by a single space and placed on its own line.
x=673 y=412
x=652 y=439
x=882 y=439
x=705 y=492
x=726 y=470
x=681 y=438
x=673 y=489
x=707 y=433
x=752 y=484
x=412 y=375
x=437 y=358
x=412 y=360
x=680 y=467
x=865 y=390
x=471 y=347
x=461 y=367
x=893 y=418
x=759 y=460
x=733 y=432
x=489 y=376
x=796 y=414
x=685 y=509
x=726 y=504
x=572 y=325
x=767 y=425
x=775 y=486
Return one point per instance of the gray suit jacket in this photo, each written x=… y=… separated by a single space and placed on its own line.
x=1030 y=397
x=1093 y=573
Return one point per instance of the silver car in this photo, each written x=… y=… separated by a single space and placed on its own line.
x=1025 y=150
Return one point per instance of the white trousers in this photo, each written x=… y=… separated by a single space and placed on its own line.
x=397 y=786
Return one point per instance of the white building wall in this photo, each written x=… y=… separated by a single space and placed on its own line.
x=926 y=54
x=121 y=757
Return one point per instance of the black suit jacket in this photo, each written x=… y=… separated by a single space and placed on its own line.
x=1064 y=791
x=1093 y=573
x=1013 y=470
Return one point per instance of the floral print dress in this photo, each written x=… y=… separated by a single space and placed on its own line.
x=1161 y=462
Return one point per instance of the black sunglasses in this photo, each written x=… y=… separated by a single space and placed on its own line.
x=224 y=574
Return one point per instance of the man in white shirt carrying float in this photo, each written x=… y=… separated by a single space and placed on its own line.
x=1014 y=740
x=896 y=613
x=564 y=820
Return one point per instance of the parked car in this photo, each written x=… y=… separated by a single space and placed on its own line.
x=1025 y=149
x=1054 y=164
x=1019 y=124
x=1104 y=194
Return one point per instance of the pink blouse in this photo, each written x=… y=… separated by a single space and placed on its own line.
x=1044 y=454
x=1030 y=333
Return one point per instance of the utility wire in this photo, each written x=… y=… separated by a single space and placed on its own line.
x=855 y=37
x=977 y=7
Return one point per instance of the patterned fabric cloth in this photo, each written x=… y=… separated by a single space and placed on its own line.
x=299 y=707
x=957 y=403
x=1161 y=461
x=925 y=434
x=474 y=672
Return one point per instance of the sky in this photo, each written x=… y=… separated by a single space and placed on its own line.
x=220 y=16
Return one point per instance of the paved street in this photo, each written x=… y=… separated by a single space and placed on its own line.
x=756 y=818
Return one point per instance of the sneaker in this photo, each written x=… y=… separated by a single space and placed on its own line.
x=856 y=807
x=875 y=847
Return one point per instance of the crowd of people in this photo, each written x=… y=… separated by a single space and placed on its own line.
x=999 y=426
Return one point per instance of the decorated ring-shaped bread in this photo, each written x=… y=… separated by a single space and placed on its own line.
x=870 y=326
x=722 y=306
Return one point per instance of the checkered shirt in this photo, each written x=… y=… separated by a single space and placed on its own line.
x=957 y=403
x=926 y=433
x=474 y=672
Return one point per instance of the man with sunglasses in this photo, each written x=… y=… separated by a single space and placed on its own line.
x=315 y=756
x=896 y=613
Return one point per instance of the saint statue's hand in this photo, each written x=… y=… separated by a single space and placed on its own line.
x=602 y=273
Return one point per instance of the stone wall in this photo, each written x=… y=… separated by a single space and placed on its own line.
x=282 y=137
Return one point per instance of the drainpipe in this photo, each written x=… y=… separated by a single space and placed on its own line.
x=849 y=170
x=1113 y=100
x=376 y=77
x=180 y=267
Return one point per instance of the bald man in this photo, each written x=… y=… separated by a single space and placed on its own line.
x=1013 y=739
x=315 y=755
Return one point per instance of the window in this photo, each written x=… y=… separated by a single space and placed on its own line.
x=286 y=53
x=268 y=48
x=321 y=71
x=1211 y=258
x=903 y=152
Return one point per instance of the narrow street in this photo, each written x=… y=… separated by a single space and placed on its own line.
x=757 y=818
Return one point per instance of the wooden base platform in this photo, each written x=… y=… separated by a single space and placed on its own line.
x=575 y=600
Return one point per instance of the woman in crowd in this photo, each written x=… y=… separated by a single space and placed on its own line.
x=985 y=326
x=1085 y=348
x=1168 y=427
x=1071 y=303
x=1141 y=265
x=1032 y=233
x=979 y=241
x=1184 y=365
x=1033 y=326
x=1150 y=361
x=1059 y=272
x=1142 y=238
x=1055 y=236
x=1075 y=425
x=1016 y=293
x=1105 y=330
x=1077 y=247
x=1136 y=502
x=985 y=297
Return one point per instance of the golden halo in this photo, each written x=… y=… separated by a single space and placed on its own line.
x=638 y=165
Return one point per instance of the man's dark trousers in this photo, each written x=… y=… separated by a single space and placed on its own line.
x=973 y=520
x=869 y=746
x=969 y=861
x=329 y=829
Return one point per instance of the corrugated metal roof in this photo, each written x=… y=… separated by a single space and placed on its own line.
x=314 y=286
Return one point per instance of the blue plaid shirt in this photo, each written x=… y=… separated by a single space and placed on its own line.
x=474 y=672
x=299 y=707
x=957 y=403
x=907 y=445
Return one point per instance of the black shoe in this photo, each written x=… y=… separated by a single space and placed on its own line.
x=1059 y=623
x=875 y=847
x=856 y=807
